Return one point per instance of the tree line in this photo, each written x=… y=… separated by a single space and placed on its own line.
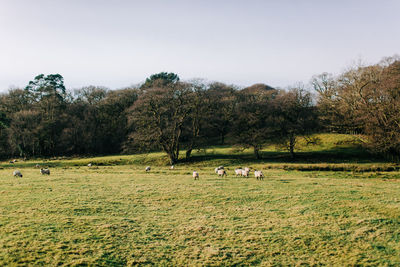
x=164 y=113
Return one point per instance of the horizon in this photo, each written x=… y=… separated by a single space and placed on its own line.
x=119 y=45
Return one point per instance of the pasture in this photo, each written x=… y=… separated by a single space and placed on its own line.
x=120 y=215
x=116 y=214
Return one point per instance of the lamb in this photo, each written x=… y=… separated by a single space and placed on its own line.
x=238 y=172
x=259 y=175
x=17 y=173
x=196 y=175
x=172 y=167
x=148 y=168
x=45 y=171
x=247 y=169
x=221 y=172
x=37 y=166
x=245 y=173
x=89 y=165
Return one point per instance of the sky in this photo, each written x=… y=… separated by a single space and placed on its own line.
x=118 y=43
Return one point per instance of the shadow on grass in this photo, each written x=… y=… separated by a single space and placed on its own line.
x=337 y=155
x=332 y=156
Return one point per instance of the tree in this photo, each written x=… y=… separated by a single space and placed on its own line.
x=25 y=133
x=50 y=86
x=366 y=101
x=48 y=96
x=199 y=105
x=98 y=120
x=380 y=102
x=223 y=101
x=161 y=79
x=295 y=115
x=158 y=117
x=253 y=125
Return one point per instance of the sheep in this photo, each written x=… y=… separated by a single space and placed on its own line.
x=172 y=167
x=17 y=173
x=45 y=171
x=238 y=172
x=245 y=173
x=259 y=175
x=196 y=175
x=221 y=172
x=247 y=169
x=89 y=165
x=218 y=168
x=37 y=166
x=148 y=168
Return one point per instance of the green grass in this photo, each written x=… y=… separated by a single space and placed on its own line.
x=116 y=214
x=121 y=215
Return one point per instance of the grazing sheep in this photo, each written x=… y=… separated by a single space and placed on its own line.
x=172 y=167
x=17 y=173
x=259 y=175
x=218 y=168
x=37 y=166
x=221 y=172
x=247 y=169
x=196 y=175
x=245 y=173
x=148 y=168
x=45 y=171
x=238 y=172
x=89 y=165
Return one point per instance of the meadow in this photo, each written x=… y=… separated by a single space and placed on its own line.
x=116 y=214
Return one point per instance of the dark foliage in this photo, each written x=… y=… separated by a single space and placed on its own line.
x=166 y=114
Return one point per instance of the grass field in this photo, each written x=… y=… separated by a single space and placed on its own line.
x=116 y=214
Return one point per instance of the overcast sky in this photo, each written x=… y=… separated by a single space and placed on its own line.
x=118 y=43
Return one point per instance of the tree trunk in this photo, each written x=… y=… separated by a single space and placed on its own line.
x=292 y=143
x=222 y=138
x=172 y=158
x=188 y=153
x=257 y=152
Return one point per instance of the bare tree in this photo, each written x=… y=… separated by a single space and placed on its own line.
x=158 y=117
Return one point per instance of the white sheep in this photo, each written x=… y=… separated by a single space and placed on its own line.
x=172 y=167
x=148 y=168
x=45 y=171
x=17 y=173
x=238 y=172
x=196 y=175
x=247 y=169
x=259 y=175
x=221 y=172
x=245 y=173
x=89 y=165
x=218 y=168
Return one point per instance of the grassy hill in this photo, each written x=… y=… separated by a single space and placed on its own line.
x=331 y=151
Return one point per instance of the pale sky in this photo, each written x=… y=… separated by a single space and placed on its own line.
x=117 y=43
